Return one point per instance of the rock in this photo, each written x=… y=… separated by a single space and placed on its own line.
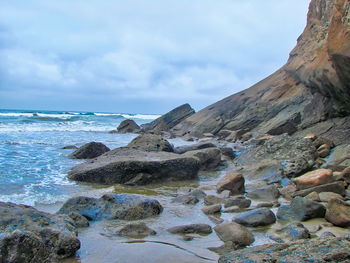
x=151 y=142
x=327 y=196
x=136 y=230
x=70 y=147
x=335 y=187
x=186 y=199
x=113 y=206
x=291 y=232
x=314 y=178
x=211 y=209
x=208 y=135
x=239 y=201
x=236 y=233
x=311 y=136
x=209 y=158
x=340 y=156
x=327 y=234
x=256 y=217
x=328 y=249
x=265 y=193
x=216 y=220
x=324 y=150
x=223 y=134
x=234 y=182
x=193 y=147
x=323 y=141
x=301 y=209
x=28 y=235
x=198 y=193
x=232 y=209
x=213 y=199
x=267 y=205
x=338 y=213
x=128 y=126
x=170 y=119
x=78 y=219
x=228 y=152
x=135 y=167
x=314 y=196
x=191 y=229
x=288 y=191
x=89 y=151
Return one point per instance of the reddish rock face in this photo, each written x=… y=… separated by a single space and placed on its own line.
x=313 y=86
x=233 y=182
x=314 y=178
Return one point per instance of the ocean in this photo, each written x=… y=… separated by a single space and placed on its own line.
x=33 y=165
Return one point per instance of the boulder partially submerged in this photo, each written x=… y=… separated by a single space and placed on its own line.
x=128 y=126
x=28 y=235
x=89 y=151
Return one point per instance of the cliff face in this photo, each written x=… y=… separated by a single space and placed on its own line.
x=313 y=86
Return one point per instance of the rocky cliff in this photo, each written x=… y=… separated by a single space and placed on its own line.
x=313 y=86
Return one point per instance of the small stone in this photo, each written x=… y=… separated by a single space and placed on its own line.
x=327 y=234
x=212 y=209
x=79 y=220
x=239 y=201
x=267 y=205
x=89 y=151
x=186 y=199
x=314 y=178
x=291 y=232
x=191 y=229
x=136 y=230
x=256 y=217
x=234 y=182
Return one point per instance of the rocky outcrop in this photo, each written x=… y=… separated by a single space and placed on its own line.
x=327 y=249
x=112 y=206
x=128 y=126
x=28 y=235
x=89 y=151
x=311 y=88
x=169 y=120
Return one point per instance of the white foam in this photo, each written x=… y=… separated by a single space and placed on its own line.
x=141 y=116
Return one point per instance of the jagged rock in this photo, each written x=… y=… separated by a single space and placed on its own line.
x=128 y=126
x=291 y=232
x=265 y=193
x=236 y=233
x=193 y=147
x=338 y=213
x=151 y=142
x=335 y=187
x=89 y=151
x=209 y=158
x=327 y=249
x=79 y=220
x=28 y=235
x=314 y=178
x=136 y=230
x=191 y=229
x=234 y=182
x=256 y=217
x=112 y=206
x=301 y=209
x=211 y=209
x=170 y=119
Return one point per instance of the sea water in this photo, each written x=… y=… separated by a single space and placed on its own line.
x=33 y=165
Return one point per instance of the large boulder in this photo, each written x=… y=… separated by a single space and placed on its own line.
x=301 y=209
x=151 y=142
x=239 y=235
x=128 y=126
x=233 y=182
x=314 y=178
x=327 y=249
x=89 y=151
x=256 y=217
x=338 y=213
x=28 y=235
x=136 y=167
x=112 y=206
x=170 y=119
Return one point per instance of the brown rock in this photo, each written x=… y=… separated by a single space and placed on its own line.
x=234 y=182
x=313 y=196
x=314 y=178
x=324 y=150
x=335 y=187
x=234 y=232
x=338 y=213
x=327 y=196
x=211 y=209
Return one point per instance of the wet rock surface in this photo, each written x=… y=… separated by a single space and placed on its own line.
x=256 y=217
x=89 y=151
x=191 y=229
x=136 y=230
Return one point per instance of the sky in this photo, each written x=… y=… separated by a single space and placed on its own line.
x=144 y=56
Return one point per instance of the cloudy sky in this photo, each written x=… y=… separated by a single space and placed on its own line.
x=144 y=56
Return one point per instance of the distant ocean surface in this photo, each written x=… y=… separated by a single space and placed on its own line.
x=33 y=165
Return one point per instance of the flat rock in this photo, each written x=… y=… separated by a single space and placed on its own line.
x=193 y=147
x=335 y=187
x=265 y=193
x=338 y=213
x=136 y=230
x=256 y=217
x=236 y=233
x=89 y=151
x=112 y=206
x=28 y=235
x=191 y=229
x=234 y=182
x=301 y=209
x=314 y=178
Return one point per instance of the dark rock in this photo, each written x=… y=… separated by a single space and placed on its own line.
x=136 y=230
x=89 y=151
x=28 y=235
x=291 y=232
x=228 y=152
x=335 y=187
x=187 y=199
x=239 y=201
x=256 y=217
x=170 y=119
x=70 y=147
x=193 y=147
x=236 y=233
x=265 y=193
x=151 y=142
x=234 y=182
x=338 y=213
x=301 y=209
x=110 y=206
x=128 y=126
x=191 y=229
x=324 y=150
x=78 y=219
x=328 y=249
